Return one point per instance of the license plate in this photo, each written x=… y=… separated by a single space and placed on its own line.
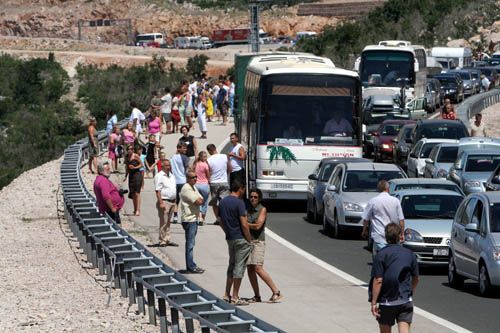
x=440 y=252
x=282 y=186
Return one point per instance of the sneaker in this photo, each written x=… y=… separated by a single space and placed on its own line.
x=197 y=270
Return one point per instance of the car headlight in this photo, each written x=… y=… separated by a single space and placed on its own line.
x=386 y=146
x=442 y=173
x=413 y=236
x=467 y=86
x=496 y=253
x=352 y=207
x=472 y=183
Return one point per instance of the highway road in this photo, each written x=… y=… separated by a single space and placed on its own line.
x=462 y=307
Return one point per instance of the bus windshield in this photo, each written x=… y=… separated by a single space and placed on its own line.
x=310 y=109
x=385 y=67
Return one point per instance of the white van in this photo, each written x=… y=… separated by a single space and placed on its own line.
x=459 y=56
x=192 y=42
x=305 y=34
x=152 y=39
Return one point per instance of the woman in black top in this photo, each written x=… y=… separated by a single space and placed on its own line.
x=135 y=177
x=190 y=141
x=257 y=215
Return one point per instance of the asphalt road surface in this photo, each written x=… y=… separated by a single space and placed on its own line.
x=463 y=307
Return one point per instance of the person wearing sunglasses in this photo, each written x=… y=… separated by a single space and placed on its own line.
x=257 y=215
x=190 y=202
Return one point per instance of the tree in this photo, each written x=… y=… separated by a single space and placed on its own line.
x=196 y=65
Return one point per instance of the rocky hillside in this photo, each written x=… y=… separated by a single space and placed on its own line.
x=58 y=18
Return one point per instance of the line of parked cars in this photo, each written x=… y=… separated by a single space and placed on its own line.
x=450 y=219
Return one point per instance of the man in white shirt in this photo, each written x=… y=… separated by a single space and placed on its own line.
x=166 y=192
x=166 y=110
x=485 y=83
x=219 y=166
x=379 y=212
x=237 y=157
x=136 y=117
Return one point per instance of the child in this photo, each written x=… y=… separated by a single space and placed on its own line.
x=158 y=163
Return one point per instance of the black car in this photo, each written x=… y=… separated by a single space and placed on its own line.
x=438 y=129
x=400 y=146
x=452 y=85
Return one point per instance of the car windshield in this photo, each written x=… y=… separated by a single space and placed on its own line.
x=494 y=220
x=444 y=131
x=426 y=149
x=391 y=129
x=465 y=75
x=447 y=154
x=386 y=67
x=482 y=163
x=449 y=187
x=429 y=206
x=366 y=181
x=447 y=80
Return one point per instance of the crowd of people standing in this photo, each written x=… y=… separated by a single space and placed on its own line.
x=190 y=180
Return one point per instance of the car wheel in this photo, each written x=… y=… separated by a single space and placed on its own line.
x=337 y=231
x=454 y=280
x=484 y=280
x=310 y=214
x=327 y=228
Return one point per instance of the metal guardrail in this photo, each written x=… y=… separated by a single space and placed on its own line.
x=134 y=269
x=475 y=104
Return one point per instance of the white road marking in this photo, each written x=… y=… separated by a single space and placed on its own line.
x=348 y=277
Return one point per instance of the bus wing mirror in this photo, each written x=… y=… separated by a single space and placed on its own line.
x=416 y=67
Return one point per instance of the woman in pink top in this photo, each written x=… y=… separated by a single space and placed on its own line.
x=154 y=125
x=203 y=176
x=128 y=134
x=113 y=142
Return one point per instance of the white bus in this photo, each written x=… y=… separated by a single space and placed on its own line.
x=152 y=39
x=388 y=64
x=460 y=56
x=297 y=109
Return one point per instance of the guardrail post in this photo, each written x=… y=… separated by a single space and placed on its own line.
x=140 y=298
x=123 y=280
x=162 y=311
x=174 y=313
x=151 y=307
x=130 y=289
x=189 y=324
x=100 y=259
x=205 y=330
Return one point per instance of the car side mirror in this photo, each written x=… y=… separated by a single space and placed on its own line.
x=496 y=180
x=429 y=161
x=313 y=177
x=458 y=166
x=331 y=188
x=472 y=227
x=413 y=155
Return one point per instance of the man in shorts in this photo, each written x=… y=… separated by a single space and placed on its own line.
x=220 y=167
x=395 y=277
x=234 y=222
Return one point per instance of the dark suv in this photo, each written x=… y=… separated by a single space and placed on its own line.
x=452 y=86
x=438 y=129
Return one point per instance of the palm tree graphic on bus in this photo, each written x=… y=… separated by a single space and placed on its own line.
x=277 y=152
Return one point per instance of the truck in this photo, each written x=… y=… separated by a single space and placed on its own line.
x=192 y=42
x=155 y=39
x=222 y=37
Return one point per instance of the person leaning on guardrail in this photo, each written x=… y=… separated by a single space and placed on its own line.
x=109 y=196
x=93 y=143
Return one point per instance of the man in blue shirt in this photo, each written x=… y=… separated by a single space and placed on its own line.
x=233 y=215
x=395 y=277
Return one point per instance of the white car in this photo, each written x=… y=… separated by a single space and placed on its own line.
x=419 y=153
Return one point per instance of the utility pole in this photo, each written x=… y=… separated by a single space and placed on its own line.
x=255 y=24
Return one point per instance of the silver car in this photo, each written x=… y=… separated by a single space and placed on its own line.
x=473 y=167
x=475 y=242
x=423 y=183
x=428 y=219
x=440 y=160
x=349 y=189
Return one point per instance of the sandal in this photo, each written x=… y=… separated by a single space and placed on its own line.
x=239 y=302
x=227 y=298
x=276 y=297
x=255 y=299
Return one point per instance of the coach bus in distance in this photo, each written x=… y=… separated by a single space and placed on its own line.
x=394 y=64
x=297 y=109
